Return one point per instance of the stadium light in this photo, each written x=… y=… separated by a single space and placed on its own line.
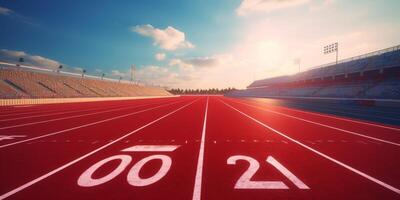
x=59 y=68
x=334 y=47
x=20 y=60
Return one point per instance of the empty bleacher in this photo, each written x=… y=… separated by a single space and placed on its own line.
x=373 y=75
x=18 y=83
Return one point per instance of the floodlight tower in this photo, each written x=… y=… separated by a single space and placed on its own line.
x=334 y=47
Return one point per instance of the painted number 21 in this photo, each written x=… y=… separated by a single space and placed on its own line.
x=244 y=181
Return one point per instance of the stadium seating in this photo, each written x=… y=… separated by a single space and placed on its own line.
x=18 y=83
x=374 y=75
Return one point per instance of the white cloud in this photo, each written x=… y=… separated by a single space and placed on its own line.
x=179 y=63
x=168 y=39
x=5 y=11
x=198 y=72
x=201 y=62
x=160 y=56
x=36 y=60
x=257 y=6
x=157 y=75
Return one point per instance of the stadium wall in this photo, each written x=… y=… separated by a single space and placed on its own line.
x=13 y=102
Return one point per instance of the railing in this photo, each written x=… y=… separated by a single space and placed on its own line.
x=374 y=53
x=303 y=75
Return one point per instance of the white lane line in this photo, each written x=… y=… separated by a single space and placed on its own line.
x=343 y=119
x=24 y=106
x=375 y=180
x=39 y=111
x=324 y=125
x=85 y=125
x=151 y=148
x=70 y=117
x=10 y=137
x=200 y=161
x=32 y=182
x=296 y=181
x=58 y=113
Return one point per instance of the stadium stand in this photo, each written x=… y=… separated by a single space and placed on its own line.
x=373 y=75
x=18 y=83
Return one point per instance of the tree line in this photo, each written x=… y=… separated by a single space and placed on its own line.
x=201 y=91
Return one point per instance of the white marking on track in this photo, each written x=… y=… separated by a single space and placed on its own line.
x=85 y=125
x=356 y=171
x=34 y=181
x=339 y=118
x=151 y=148
x=23 y=106
x=199 y=171
x=245 y=182
x=345 y=119
x=56 y=113
x=70 y=117
x=10 y=137
x=86 y=179
x=135 y=180
x=287 y=173
x=311 y=142
x=324 y=125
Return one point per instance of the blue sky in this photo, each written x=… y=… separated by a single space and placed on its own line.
x=196 y=43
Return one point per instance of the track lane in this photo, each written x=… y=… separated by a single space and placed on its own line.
x=60 y=126
x=9 y=123
x=329 y=118
x=48 y=108
x=60 y=152
x=392 y=138
x=14 y=111
x=238 y=135
x=228 y=133
x=158 y=133
x=52 y=113
x=373 y=159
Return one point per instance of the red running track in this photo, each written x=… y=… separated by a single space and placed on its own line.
x=193 y=147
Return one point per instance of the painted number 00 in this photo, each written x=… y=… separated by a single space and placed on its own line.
x=133 y=178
